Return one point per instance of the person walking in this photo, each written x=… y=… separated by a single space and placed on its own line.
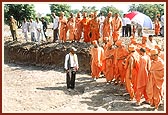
x=116 y=26
x=97 y=56
x=124 y=26
x=44 y=27
x=55 y=27
x=13 y=28
x=128 y=28
x=25 y=28
x=32 y=28
x=39 y=31
x=71 y=66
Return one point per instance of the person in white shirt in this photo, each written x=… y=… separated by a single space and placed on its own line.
x=150 y=42
x=71 y=66
x=32 y=28
x=25 y=28
x=124 y=26
x=162 y=25
x=128 y=27
x=55 y=27
x=39 y=30
x=101 y=18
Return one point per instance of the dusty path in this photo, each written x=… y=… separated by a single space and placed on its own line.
x=34 y=89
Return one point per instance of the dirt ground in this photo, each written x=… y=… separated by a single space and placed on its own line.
x=35 y=89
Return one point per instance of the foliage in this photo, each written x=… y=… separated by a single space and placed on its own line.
x=88 y=9
x=107 y=9
x=57 y=8
x=75 y=11
x=151 y=10
x=18 y=11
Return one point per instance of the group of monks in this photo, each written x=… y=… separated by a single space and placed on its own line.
x=136 y=66
x=89 y=26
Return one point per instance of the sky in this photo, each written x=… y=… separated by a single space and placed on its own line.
x=43 y=8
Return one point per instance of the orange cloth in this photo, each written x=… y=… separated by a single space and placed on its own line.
x=119 y=57
x=142 y=79
x=155 y=83
x=78 y=29
x=94 y=29
x=132 y=67
x=143 y=46
x=161 y=55
x=104 y=61
x=71 y=27
x=116 y=25
x=109 y=64
x=63 y=28
x=97 y=56
x=86 y=29
x=115 y=36
x=106 y=28
x=157 y=28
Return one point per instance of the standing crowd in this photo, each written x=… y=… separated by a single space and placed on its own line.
x=83 y=27
x=137 y=66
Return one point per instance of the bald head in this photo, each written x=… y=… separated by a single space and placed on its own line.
x=109 y=14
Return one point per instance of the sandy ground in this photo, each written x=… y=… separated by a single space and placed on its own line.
x=34 y=89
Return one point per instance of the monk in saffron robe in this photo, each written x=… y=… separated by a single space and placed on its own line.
x=63 y=27
x=156 y=79
x=160 y=53
x=97 y=56
x=85 y=27
x=157 y=26
x=144 y=45
x=109 y=63
x=131 y=67
x=142 y=79
x=78 y=27
x=107 y=26
x=71 y=27
x=116 y=26
x=105 y=46
x=119 y=57
x=94 y=27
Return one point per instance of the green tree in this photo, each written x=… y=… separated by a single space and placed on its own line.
x=150 y=10
x=49 y=18
x=88 y=9
x=112 y=9
x=57 y=8
x=75 y=11
x=18 y=11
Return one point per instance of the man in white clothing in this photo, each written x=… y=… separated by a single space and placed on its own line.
x=32 y=28
x=101 y=18
x=55 y=27
x=124 y=26
x=128 y=27
x=150 y=42
x=162 y=25
x=25 y=28
x=71 y=66
x=39 y=30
